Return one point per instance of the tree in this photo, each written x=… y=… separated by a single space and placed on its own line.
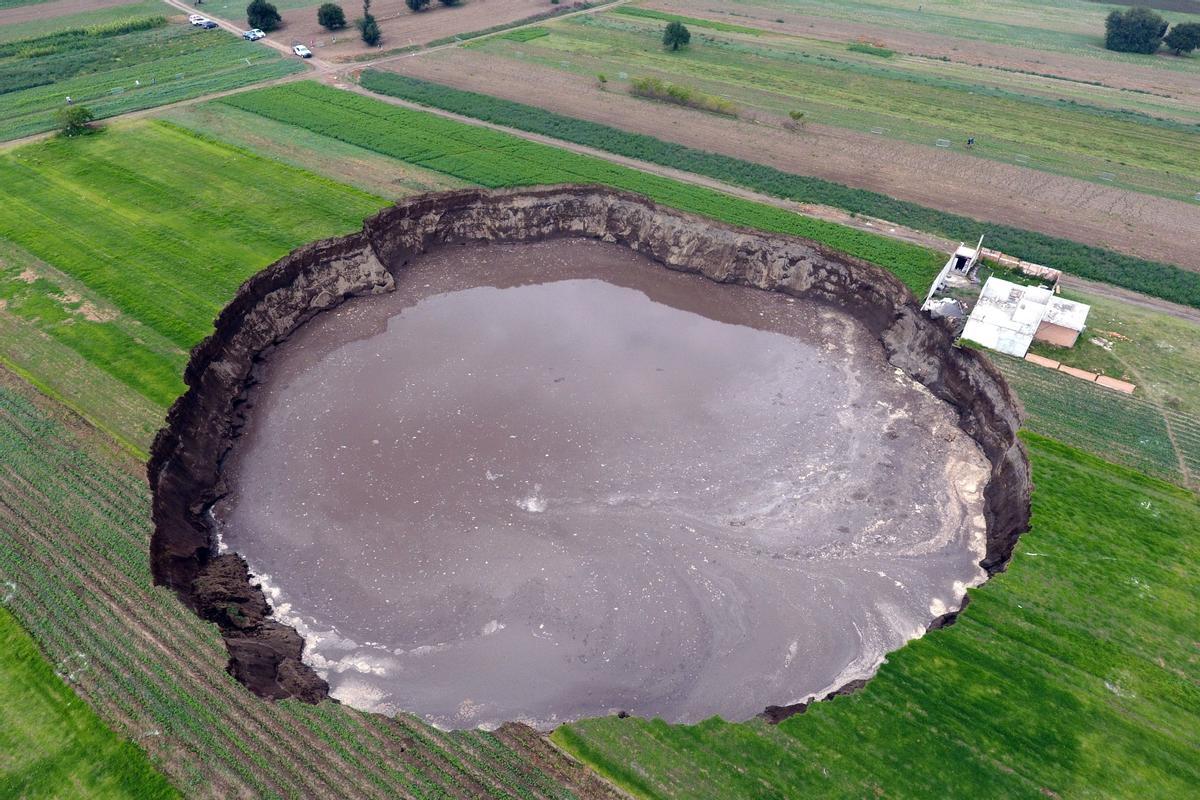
x=1183 y=38
x=416 y=5
x=331 y=17
x=676 y=35
x=262 y=15
x=75 y=120
x=369 y=29
x=448 y=2
x=1138 y=30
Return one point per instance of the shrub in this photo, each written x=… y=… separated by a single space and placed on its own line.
x=676 y=35
x=261 y=14
x=75 y=120
x=416 y=5
x=1183 y=38
x=331 y=17
x=448 y=2
x=1138 y=30
x=657 y=89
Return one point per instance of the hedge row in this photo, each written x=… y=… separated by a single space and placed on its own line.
x=1149 y=277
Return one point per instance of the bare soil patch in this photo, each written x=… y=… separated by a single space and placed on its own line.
x=402 y=27
x=53 y=10
x=1104 y=216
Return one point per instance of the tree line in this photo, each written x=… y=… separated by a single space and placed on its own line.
x=1140 y=30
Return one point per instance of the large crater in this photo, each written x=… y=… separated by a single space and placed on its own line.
x=540 y=477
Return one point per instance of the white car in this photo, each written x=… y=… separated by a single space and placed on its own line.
x=302 y=51
x=253 y=35
x=195 y=19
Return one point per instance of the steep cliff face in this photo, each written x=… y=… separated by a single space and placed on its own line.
x=186 y=457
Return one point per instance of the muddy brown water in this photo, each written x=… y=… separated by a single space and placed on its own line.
x=550 y=481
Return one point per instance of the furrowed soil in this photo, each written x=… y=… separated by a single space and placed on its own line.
x=74 y=532
x=1137 y=224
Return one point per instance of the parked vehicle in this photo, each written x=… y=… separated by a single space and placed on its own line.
x=302 y=51
x=253 y=35
x=196 y=19
x=208 y=24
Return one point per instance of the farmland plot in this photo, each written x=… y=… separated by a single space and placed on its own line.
x=155 y=227
x=126 y=66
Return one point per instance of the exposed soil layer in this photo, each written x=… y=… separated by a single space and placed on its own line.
x=187 y=455
x=551 y=481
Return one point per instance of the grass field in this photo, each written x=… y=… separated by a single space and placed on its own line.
x=1067 y=129
x=1074 y=674
x=114 y=74
x=50 y=739
x=99 y=16
x=155 y=227
x=1069 y=26
x=74 y=530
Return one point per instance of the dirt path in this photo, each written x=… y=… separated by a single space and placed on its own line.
x=1105 y=216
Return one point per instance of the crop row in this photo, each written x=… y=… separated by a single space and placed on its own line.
x=114 y=74
x=496 y=159
x=1149 y=277
x=205 y=216
x=73 y=542
x=1125 y=429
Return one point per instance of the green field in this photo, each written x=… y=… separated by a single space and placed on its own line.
x=74 y=532
x=155 y=227
x=1066 y=128
x=1131 y=431
x=1068 y=26
x=1073 y=674
x=50 y=739
x=115 y=74
x=493 y=159
x=100 y=16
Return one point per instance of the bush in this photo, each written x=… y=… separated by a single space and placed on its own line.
x=676 y=35
x=1138 y=30
x=448 y=2
x=331 y=17
x=1183 y=38
x=1142 y=275
x=657 y=89
x=75 y=120
x=262 y=15
x=416 y=5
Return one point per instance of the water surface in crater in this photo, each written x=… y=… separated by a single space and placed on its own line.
x=548 y=481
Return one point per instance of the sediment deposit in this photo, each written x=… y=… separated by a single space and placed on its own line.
x=186 y=468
